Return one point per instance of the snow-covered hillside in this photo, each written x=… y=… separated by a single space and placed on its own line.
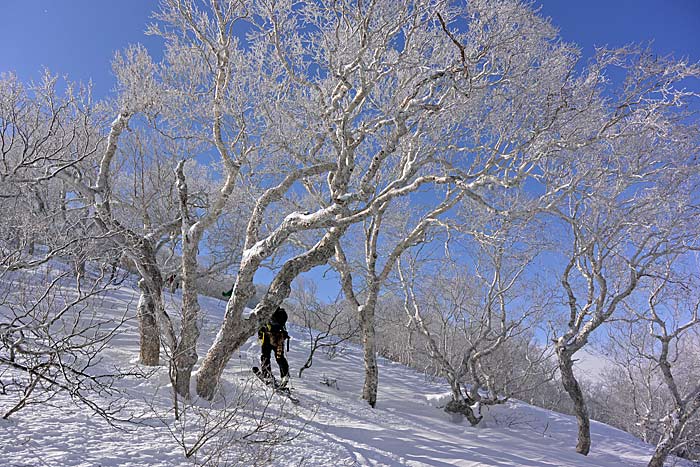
x=331 y=426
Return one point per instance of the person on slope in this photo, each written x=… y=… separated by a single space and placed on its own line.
x=272 y=336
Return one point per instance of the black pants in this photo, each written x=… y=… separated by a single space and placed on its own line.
x=270 y=345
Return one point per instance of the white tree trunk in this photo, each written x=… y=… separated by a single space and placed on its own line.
x=233 y=333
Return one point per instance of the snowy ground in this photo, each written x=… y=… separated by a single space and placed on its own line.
x=333 y=427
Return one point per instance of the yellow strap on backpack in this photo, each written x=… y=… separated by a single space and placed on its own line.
x=263 y=332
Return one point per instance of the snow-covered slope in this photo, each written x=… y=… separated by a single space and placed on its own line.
x=334 y=426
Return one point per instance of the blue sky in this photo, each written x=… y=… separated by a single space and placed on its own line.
x=79 y=37
x=73 y=37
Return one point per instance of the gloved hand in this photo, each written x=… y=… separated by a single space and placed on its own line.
x=260 y=333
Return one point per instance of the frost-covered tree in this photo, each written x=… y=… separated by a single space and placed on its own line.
x=654 y=349
x=70 y=147
x=624 y=200
x=206 y=81
x=51 y=335
x=351 y=105
x=44 y=132
x=381 y=253
x=475 y=311
x=359 y=104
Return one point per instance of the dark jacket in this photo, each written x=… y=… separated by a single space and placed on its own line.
x=276 y=325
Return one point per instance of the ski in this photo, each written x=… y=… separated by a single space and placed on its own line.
x=285 y=392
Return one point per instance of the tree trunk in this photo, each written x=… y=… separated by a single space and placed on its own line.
x=463 y=407
x=233 y=334
x=153 y=320
x=668 y=440
x=149 y=334
x=572 y=388
x=185 y=354
x=369 y=390
x=455 y=388
x=459 y=404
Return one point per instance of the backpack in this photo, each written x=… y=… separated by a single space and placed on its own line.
x=275 y=328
